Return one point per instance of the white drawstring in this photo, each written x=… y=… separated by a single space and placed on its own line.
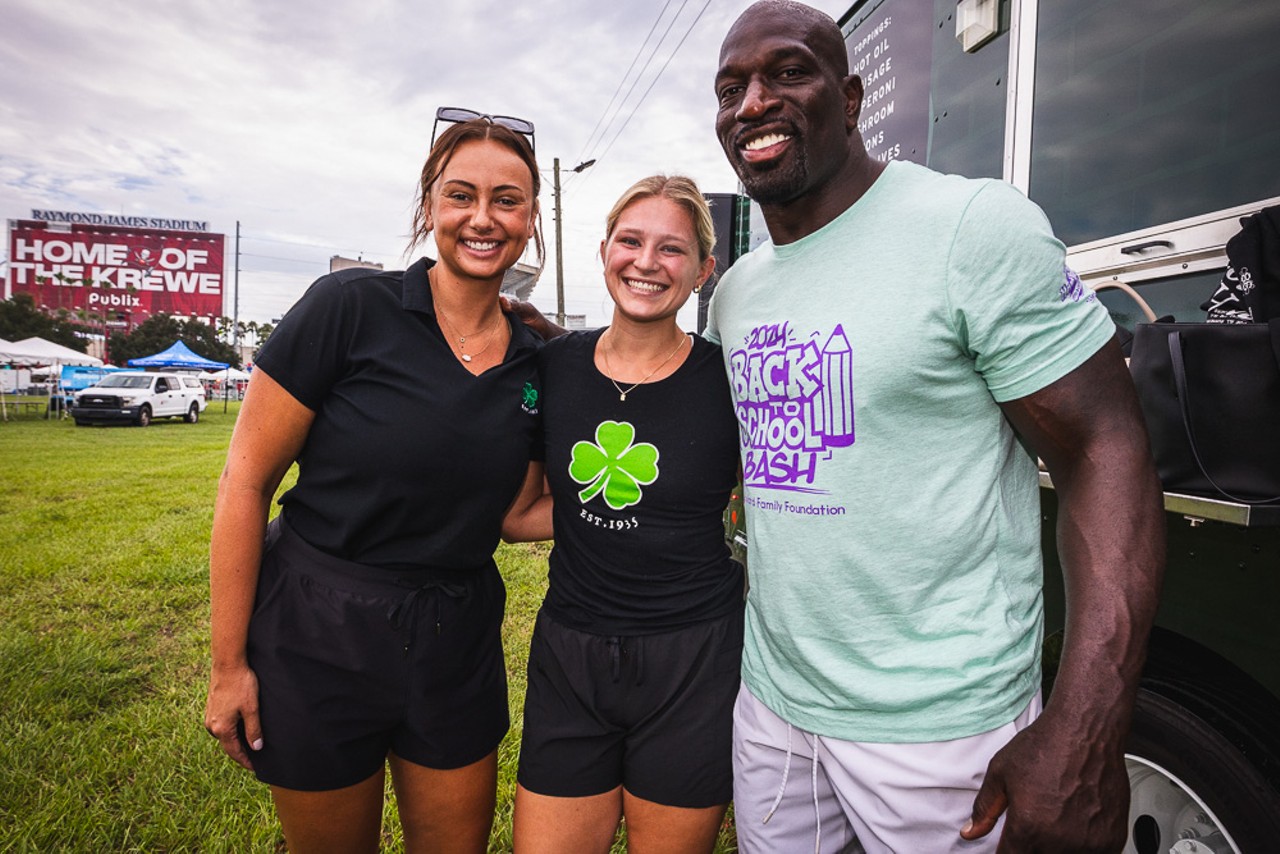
x=817 y=816
x=786 y=771
x=786 y=774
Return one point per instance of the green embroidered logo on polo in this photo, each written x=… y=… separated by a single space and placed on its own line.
x=614 y=465
x=529 y=399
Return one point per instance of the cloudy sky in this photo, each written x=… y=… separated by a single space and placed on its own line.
x=308 y=123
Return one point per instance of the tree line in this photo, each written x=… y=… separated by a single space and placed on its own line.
x=21 y=318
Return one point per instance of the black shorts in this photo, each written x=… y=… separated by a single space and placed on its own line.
x=652 y=713
x=354 y=662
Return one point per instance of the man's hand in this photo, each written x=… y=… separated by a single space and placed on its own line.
x=532 y=318
x=1061 y=792
x=1062 y=780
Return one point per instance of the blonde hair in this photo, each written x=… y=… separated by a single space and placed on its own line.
x=679 y=189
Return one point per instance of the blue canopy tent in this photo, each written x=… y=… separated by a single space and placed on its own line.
x=177 y=356
x=180 y=356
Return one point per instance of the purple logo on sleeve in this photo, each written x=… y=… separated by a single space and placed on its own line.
x=1073 y=289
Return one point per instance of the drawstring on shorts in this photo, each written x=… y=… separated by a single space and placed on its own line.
x=401 y=615
x=619 y=647
x=409 y=584
x=786 y=773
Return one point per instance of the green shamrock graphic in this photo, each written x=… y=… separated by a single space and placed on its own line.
x=530 y=395
x=614 y=465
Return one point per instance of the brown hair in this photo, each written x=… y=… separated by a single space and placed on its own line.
x=446 y=144
x=676 y=188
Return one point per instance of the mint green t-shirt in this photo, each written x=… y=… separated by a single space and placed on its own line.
x=892 y=515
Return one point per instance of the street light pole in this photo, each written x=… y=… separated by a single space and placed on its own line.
x=559 y=249
x=559 y=242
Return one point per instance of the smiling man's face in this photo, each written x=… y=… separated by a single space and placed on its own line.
x=787 y=106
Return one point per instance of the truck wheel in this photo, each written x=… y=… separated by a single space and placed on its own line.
x=1192 y=790
x=193 y=414
x=144 y=415
x=80 y=422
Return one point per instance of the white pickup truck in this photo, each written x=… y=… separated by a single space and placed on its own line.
x=136 y=397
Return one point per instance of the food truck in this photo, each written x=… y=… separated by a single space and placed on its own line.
x=1146 y=130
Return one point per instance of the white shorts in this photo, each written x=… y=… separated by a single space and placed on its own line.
x=857 y=796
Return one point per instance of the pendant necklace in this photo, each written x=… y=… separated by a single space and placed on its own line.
x=462 y=339
x=623 y=392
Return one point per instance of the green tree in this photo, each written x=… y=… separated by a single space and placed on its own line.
x=225 y=325
x=264 y=332
x=154 y=334
x=203 y=339
x=160 y=331
x=20 y=318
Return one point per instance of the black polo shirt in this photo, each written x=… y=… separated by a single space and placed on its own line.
x=411 y=460
x=640 y=489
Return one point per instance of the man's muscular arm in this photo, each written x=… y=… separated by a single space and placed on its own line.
x=1063 y=780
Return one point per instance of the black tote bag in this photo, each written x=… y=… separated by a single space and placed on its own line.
x=1210 y=393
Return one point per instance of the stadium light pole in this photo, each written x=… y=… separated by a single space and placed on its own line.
x=559 y=244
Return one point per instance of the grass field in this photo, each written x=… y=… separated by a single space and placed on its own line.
x=104 y=630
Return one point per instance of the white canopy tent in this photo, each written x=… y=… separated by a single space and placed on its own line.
x=233 y=374
x=227 y=376
x=49 y=353
x=38 y=351
x=11 y=355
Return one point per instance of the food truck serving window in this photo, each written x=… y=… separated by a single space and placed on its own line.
x=1140 y=120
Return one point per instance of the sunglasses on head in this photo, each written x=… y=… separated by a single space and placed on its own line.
x=523 y=127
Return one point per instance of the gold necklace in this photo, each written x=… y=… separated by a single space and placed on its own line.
x=462 y=339
x=622 y=393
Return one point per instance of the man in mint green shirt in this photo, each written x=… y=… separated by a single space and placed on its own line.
x=900 y=352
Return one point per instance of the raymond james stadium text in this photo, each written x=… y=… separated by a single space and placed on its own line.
x=77 y=218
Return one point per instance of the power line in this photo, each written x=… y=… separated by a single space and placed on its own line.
x=655 y=80
x=309 y=262
x=639 y=51
x=647 y=62
x=317 y=246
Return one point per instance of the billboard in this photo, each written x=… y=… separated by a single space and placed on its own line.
x=122 y=273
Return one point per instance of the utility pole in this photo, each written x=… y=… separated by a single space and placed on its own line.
x=235 y=308
x=559 y=249
x=559 y=242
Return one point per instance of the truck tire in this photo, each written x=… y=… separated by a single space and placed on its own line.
x=193 y=414
x=1192 y=791
x=144 y=415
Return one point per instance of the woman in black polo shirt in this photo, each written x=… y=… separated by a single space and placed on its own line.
x=633 y=666
x=365 y=632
